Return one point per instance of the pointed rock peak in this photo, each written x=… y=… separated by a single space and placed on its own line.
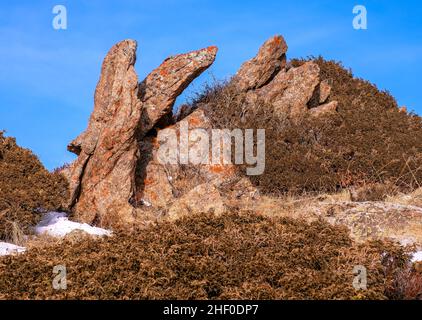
x=261 y=69
x=114 y=68
x=102 y=177
x=126 y=48
x=161 y=87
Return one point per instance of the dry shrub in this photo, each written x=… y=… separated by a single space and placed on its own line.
x=407 y=285
x=368 y=141
x=26 y=189
x=373 y=192
x=233 y=256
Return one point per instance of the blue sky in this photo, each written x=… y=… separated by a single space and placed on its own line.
x=48 y=77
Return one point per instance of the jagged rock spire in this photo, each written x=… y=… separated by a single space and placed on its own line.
x=261 y=69
x=102 y=179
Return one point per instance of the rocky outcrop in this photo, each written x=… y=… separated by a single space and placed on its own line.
x=102 y=179
x=119 y=169
x=290 y=91
x=123 y=170
x=398 y=218
x=376 y=220
x=257 y=72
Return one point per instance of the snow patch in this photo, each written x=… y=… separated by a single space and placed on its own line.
x=57 y=224
x=8 y=248
x=417 y=256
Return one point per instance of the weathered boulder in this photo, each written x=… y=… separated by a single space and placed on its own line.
x=102 y=179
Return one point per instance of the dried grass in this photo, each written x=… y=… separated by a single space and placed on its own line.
x=367 y=143
x=26 y=190
x=233 y=256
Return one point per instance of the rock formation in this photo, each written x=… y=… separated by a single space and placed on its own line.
x=118 y=169
x=264 y=78
x=292 y=92
x=102 y=179
x=159 y=90
x=119 y=173
x=257 y=72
